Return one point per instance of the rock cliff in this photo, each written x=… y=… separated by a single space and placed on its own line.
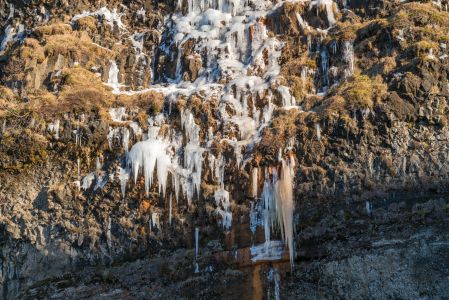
x=224 y=149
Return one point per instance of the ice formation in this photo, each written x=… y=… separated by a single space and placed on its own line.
x=123 y=177
x=125 y=141
x=155 y=221
x=239 y=63
x=111 y=17
x=327 y=5
x=87 y=181
x=54 y=128
x=197 y=235
x=7 y=37
x=170 y=209
x=223 y=207
x=113 y=76
x=318 y=131
x=12 y=35
x=275 y=277
x=348 y=57
x=369 y=208
x=270 y=250
x=143 y=158
x=118 y=114
x=278 y=204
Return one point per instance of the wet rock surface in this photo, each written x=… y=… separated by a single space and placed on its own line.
x=351 y=96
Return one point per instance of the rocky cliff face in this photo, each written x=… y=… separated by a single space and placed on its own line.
x=224 y=149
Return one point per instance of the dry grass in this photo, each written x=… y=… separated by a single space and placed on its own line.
x=77 y=45
x=423 y=21
x=152 y=102
x=361 y=92
x=10 y=105
x=32 y=150
x=84 y=87
x=347 y=31
x=423 y=47
x=53 y=29
x=87 y=23
x=82 y=91
x=32 y=51
x=420 y=14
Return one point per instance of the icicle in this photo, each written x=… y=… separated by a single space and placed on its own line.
x=238 y=154
x=254 y=217
x=369 y=208
x=193 y=153
x=114 y=134
x=123 y=176
x=113 y=76
x=285 y=205
x=97 y=166
x=137 y=131
x=348 y=57
x=277 y=197
x=325 y=65
x=268 y=198
x=11 y=12
x=254 y=182
x=100 y=179
x=78 y=162
x=431 y=55
x=197 y=234
x=78 y=176
x=170 y=209
x=274 y=277
x=77 y=135
x=155 y=221
x=223 y=207
x=318 y=131
x=125 y=139
x=108 y=233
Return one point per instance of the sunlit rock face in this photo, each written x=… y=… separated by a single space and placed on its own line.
x=222 y=148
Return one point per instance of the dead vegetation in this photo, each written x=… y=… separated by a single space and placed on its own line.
x=53 y=29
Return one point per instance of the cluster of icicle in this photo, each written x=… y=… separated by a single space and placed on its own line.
x=158 y=154
x=231 y=36
x=235 y=39
x=275 y=210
